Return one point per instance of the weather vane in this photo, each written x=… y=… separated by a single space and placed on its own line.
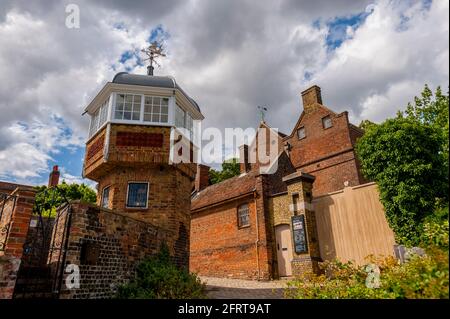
x=262 y=110
x=154 y=51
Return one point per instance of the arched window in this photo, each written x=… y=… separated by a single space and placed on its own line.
x=243 y=216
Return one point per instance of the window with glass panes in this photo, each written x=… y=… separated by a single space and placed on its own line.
x=99 y=118
x=103 y=113
x=156 y=109
x=128 y=107
x=326 y=122
x=137 y=195
x=105 y=197
x=94 y=123
x=179 y=117
x=301 y=133
x=243 y=216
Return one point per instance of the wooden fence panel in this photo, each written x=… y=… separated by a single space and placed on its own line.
x=351 y=225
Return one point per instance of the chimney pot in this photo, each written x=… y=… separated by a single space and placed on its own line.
x=53 y=178
x=311 y=97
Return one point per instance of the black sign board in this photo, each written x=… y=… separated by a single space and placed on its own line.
x=299 y=232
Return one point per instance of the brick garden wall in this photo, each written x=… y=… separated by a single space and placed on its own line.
x=106 y=246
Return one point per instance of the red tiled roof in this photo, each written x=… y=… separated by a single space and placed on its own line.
x=228 y=189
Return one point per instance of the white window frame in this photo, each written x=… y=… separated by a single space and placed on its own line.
x=239 y=217
x=160 y=108
x=323 y=122
x=304 y=133
x=128 y=190
x=110 y=105
x=133 y=105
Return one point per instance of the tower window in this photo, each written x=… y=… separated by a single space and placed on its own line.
x=179 y=117
x=137 y=195
x=301 y=133
x=326 y=122
x=156 y=109
x=105 y=197
x=243 y=216
x=128 y=107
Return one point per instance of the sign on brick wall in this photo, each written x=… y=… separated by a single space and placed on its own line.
x=298 y=230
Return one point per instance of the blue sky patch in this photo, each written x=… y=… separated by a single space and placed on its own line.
x=158 y=34
x=337 y=28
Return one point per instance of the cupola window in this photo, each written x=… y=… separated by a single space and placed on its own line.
x=156 y=109
x=128 y=107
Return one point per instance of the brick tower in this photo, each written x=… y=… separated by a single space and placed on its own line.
x=135 y=120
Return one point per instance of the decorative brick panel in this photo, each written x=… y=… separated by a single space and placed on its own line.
x=139 y=139
x=95 y=147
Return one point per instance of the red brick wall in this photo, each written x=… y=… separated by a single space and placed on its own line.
x=219 y=248
x=326 y=153
x=18 y=228
x=331 y=173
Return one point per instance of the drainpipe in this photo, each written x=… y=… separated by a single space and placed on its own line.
x=257 y=238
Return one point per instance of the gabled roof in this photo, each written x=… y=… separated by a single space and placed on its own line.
x=228 y=189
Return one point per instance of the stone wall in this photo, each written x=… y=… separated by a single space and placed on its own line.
x=106 y=246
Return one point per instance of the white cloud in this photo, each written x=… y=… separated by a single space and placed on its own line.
x=230 y=56
x=388 y=61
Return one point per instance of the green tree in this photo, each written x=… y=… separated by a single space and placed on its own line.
x=230 y=168
x=431 y=110
x=366 y=124
x=50 y=199
x=406 y=157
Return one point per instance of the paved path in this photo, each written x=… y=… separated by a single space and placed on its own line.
x=224 y=288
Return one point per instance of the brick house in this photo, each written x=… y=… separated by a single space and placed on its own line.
x=262 y=225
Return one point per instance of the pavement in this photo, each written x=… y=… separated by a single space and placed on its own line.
x=225 y=288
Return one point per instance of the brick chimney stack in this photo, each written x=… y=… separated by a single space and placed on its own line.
x=243 y=159
x=311 y=97
x=202 y=177
x=53 y=178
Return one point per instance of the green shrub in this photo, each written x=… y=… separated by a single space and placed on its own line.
x=435 y=230
x=420 y=278
x=158 y=278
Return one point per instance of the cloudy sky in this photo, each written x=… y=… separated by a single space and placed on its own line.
x=369 y=57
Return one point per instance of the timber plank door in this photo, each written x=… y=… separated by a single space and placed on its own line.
x=284 y=250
